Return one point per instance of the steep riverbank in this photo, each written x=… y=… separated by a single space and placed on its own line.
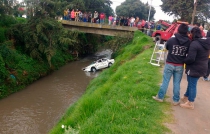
x=119 y=99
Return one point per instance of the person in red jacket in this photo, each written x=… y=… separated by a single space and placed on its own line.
x=102 y=18
x=72 y=15
x=143 y=24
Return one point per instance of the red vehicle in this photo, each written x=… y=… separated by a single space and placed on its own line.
x=164 y=25
x=163 y=36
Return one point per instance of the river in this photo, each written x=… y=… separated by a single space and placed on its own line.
x=38 y=107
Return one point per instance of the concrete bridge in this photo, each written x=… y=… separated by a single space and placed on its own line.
x=102 y=29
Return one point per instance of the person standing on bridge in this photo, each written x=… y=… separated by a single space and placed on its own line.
x=132 y=20
x=95 y=16
x=110 y=20
x=65 y=14
x=77 y=15
x=90 y=17
x=121 y=20
x=72 y=15
x=196 y=65
x=85 y=17
x=177 y=50
x=102 y=18
x=80 y=16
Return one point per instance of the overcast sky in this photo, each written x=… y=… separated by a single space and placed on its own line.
x=155 y=3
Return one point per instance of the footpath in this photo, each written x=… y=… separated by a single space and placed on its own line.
x=187 y=121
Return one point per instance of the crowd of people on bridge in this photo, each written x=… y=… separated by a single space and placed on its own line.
x=79 y=16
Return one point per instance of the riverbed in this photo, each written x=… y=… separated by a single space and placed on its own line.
x=38 y=107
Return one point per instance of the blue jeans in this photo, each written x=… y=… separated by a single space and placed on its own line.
x=177 y=72
x=191 y=88
x=102 y=21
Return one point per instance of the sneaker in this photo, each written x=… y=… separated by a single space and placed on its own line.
x=176 y=103
x=157 y=99
x=188 y=104
x=184 y=99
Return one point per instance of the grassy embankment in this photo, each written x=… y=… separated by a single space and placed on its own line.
x=119 y=101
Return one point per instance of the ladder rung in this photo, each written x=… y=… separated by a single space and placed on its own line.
x=159 y=52
x=155 y=64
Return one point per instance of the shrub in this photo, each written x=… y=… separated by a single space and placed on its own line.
x=21 y=20
x=6 y=21
x=2 y=34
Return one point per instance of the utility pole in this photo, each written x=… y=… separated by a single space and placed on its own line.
x=194 y=10
x=149 y=11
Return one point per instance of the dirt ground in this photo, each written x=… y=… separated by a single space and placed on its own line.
x=187 y=121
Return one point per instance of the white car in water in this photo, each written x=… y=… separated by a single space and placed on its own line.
x=99 y=64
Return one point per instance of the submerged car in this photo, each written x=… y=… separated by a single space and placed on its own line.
x=99 y=64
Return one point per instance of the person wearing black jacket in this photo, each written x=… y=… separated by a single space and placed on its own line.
x=208 y=71
x=177 y=49
x=196 y=65
x=208 y=33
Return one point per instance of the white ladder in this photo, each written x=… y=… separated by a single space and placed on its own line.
x=158 y=54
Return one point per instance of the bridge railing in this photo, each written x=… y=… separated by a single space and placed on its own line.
x=97 y=25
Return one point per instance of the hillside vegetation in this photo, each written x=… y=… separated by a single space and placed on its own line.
x=32 y=48
x=119 y=100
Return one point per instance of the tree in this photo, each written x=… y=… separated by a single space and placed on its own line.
x=135 y=8
x=184 y=9
x=6 y=7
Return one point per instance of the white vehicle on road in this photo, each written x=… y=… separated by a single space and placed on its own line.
x=99 y=64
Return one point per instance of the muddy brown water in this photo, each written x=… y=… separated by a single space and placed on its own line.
x=38 y=107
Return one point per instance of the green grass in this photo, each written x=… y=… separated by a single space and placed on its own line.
x=119 y=100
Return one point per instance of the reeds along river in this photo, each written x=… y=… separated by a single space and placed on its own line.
x=38 y=107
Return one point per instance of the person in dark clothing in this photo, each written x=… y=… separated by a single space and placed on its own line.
x=126 y=21
x=208 y=33
x=177 y=49
x=121 y=21
x=196 y=65
x=208 y=71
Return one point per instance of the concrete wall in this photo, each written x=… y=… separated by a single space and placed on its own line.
x=95 y=28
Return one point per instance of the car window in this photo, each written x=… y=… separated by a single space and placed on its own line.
x=104 y=59
x=93 y=62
